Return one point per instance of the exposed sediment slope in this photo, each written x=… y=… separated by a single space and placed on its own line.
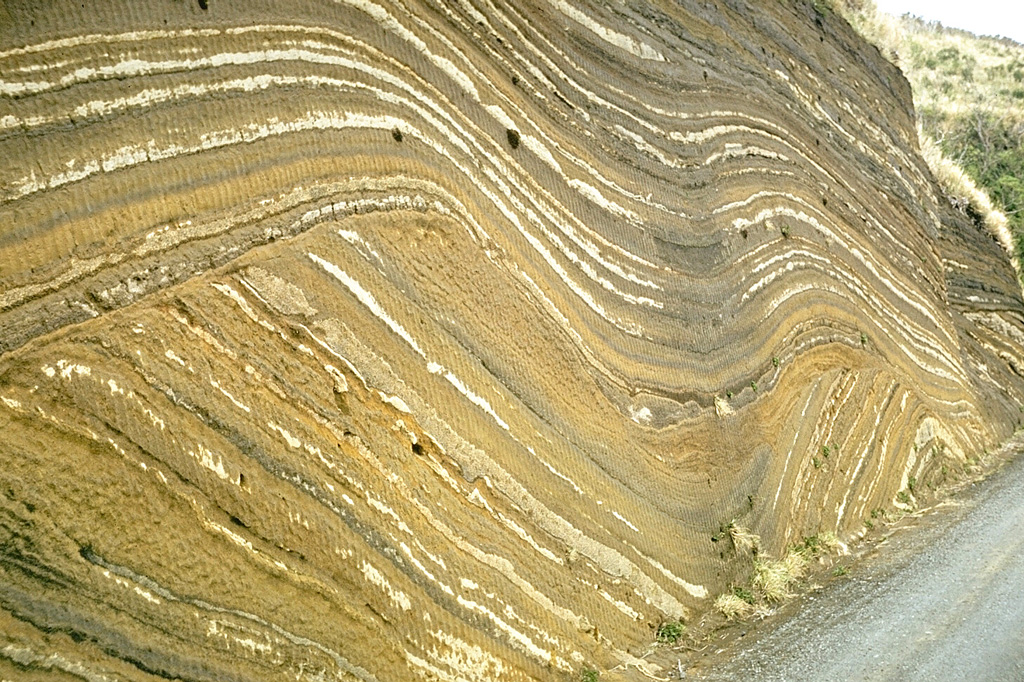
x=383 y=341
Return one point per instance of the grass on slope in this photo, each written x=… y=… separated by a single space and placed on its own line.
x=771 y=580
x=969 y=95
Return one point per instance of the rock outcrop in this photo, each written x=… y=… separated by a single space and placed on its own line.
x=372 y=340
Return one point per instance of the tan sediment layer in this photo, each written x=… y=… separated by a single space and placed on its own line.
x=368 y=340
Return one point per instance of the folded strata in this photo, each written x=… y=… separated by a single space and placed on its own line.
x=373 y=340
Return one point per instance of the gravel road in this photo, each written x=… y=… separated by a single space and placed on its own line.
x=943 y=600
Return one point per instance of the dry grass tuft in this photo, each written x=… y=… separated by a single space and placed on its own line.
x=884 y=30
x=732 y=607
x=743 y=539
x=773 y=578
x=795 y=565
x=963 y=192
x=831 y=543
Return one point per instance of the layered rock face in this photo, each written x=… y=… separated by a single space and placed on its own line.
x=370 y=340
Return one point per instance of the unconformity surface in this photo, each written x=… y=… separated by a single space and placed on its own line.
x=369 y=340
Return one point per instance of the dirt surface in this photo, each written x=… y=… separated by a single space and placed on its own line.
x=939 y=600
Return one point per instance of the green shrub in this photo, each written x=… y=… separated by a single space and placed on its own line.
x=744 y=594
x=671 y=632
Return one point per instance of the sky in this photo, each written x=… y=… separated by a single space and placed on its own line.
x=984 y=17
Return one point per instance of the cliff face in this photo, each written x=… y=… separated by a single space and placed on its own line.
x=369 y=340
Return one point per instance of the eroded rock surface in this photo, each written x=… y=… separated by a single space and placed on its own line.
x=375 y=340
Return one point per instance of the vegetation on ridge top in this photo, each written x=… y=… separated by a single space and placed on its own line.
x=969 y=96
